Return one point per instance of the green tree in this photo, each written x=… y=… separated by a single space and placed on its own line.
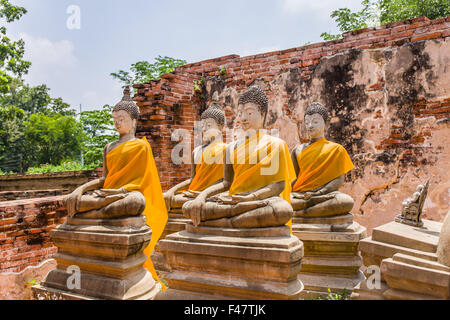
x=52 y=139
x=12 y=143
x=379 y=12
x=144 y=71
x=397 y=10
x=11 y=52
x=98 y=130
x=34 y=99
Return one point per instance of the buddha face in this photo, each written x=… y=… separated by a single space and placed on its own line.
x=123 y=122
x=251 y=117
x=315 y=126
x=210 y=130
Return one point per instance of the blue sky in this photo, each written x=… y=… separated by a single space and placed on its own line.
x=113 y=34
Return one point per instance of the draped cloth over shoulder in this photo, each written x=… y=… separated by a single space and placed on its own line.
x=260 y=161
x=211 y=167
x=131 y=166
x=320 y=163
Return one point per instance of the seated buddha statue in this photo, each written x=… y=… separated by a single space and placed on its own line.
x=320 y=166
x=207 y=161
x=130 y=184
x=258 y=172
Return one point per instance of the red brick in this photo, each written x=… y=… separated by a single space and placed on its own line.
x=427 y=36
x=7 y=221
x=418 y=25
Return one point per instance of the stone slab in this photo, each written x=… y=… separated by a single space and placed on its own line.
x=318 y=284
x=343 y=266
x=233 y=287
x=353 y=233
x=395 y=294
x=373 y=252
x=45 y=293
x=137 y=286
x=403 y=276
x=423 y=238
x=109 y=257
x=233 y=263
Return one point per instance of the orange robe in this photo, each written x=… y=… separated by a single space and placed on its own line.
x=260 y=161
x=211 y=167
x=131 y=166
x=320 y=163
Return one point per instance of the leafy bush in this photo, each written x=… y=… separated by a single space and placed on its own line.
x=64 y=166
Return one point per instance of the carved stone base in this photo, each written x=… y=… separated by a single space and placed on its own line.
x=219 y=263
x=390 y=239
x=110 y=258
x=411 y=278
x=409 y=222
x=331 y=258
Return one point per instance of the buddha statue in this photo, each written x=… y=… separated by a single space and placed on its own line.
x=130 y=184
x=258 y=172
x=320 y=166
x=207 y=161
x=413 y=206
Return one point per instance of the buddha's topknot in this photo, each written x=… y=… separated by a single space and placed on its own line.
x=127 y=104
x=317 y=107
x=214 y=112
x=256 y=95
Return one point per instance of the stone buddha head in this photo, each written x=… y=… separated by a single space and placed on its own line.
x=316 y=120
x=213 y=120
x=125 y=114
x=253 y=106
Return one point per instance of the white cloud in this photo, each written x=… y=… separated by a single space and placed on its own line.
x=322 y=7
x=50 y=59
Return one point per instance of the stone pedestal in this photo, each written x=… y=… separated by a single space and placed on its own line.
x=331 y=258
x=412 y=278
x=176 y=222
x=219 y=263
x=390 y=239
x=110 y=258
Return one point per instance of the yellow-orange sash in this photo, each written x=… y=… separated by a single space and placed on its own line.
x=321 y=162
x=260 y=161
x=131 y=166
x=211 y=167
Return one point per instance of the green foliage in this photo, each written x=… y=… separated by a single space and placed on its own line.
x=198 y=85
x=397 y=10
x=98 y=130
x=4 y=173
x=348 y=20
x=34 y=99
x=64 y=166
x=144 y=71
x=12 y=143
x=11 y=52
x=344 y=295
x=52 y=139
x=31 y=283
x=19 y=106
x=379 y=12
x=223 y=71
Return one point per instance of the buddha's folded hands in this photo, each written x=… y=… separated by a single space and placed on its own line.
x=191 y=193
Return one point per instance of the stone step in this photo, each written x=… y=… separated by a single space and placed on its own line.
x=416 y=279
x=423 y=238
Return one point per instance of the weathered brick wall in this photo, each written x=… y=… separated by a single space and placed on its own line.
x=387 y=89
x=31 y=194
x=46 y=181
x=24 y=231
